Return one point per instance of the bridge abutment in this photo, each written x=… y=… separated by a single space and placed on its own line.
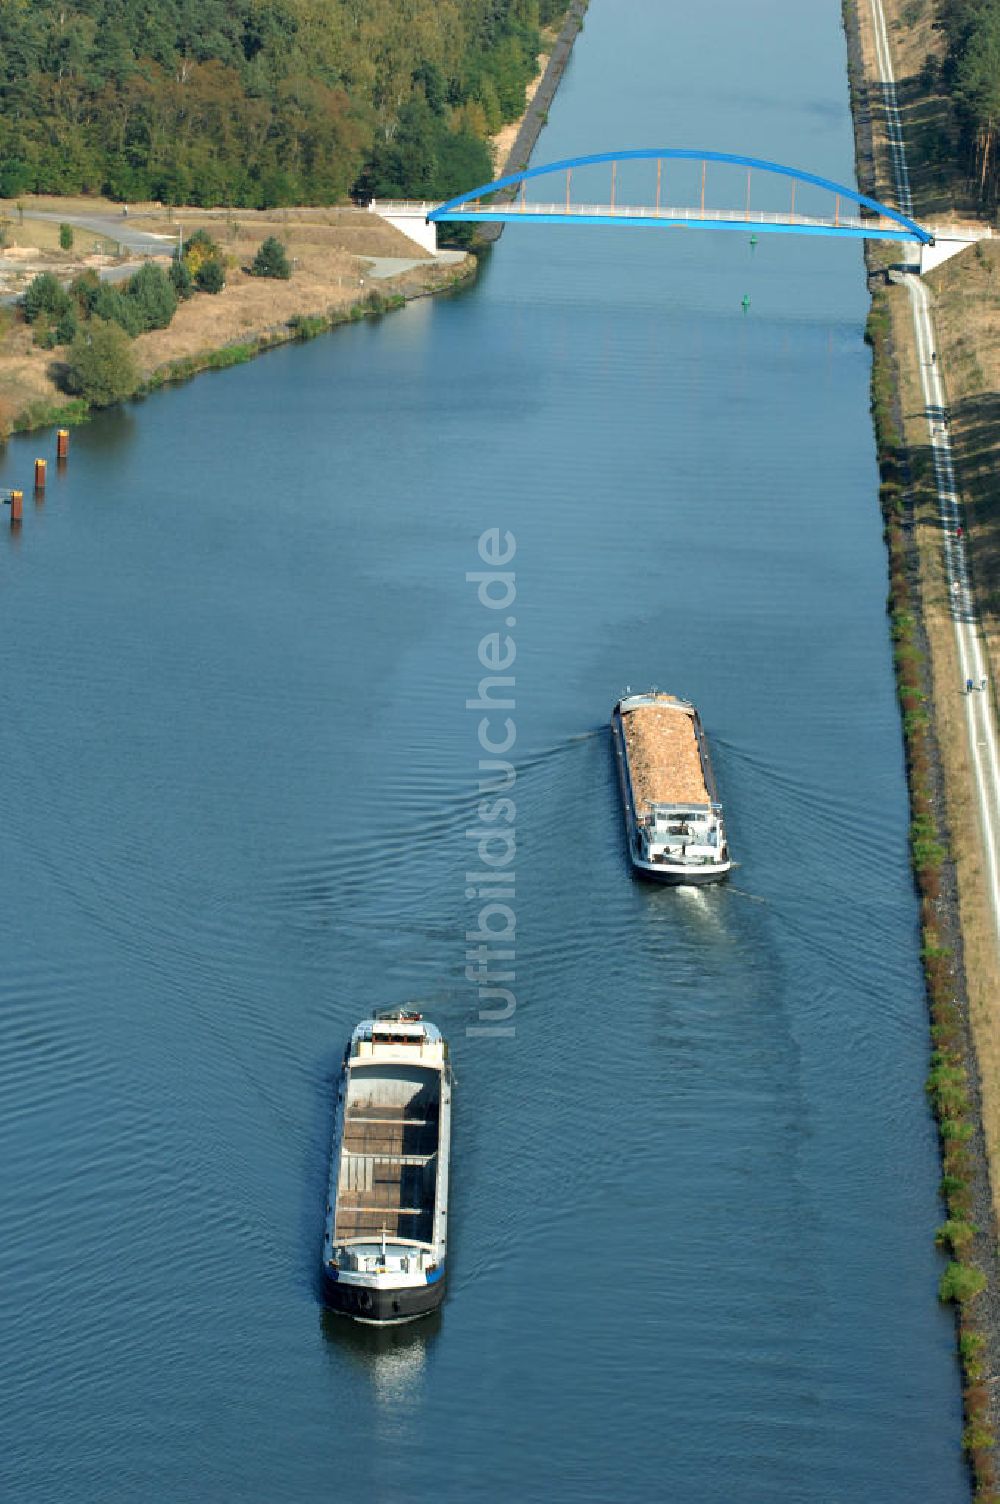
x=949 y=242
x=410 y=220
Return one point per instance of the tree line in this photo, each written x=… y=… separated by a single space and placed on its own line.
x=970 y=74
x=259 y=102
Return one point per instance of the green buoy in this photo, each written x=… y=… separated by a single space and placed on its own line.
x=753 y=241
x=746 y=301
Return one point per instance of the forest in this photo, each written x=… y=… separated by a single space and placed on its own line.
x=259 y=102
x=971 y=75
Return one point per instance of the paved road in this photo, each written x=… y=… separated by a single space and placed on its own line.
x=115 y=227
x=979 y=719
x=393 y=266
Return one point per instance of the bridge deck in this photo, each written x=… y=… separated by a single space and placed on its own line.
x=801 y=224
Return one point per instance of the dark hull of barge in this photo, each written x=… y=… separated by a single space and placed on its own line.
x=362 y=1303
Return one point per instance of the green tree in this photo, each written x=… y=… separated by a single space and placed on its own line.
x=84 y=289
x=44 y=294
x=66 y=237
x=100 y=366
x=408 y=162
x=198 y=248
x=263 y=101
x=271 y=261
x=463 y=161
x=112 y=307
x=180 y=278
x=152 y=292
x=68 y=326
x=210 y=276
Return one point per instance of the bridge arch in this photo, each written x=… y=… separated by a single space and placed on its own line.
x=459 y=207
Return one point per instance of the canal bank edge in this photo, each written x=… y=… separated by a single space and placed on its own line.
x=536 y=115
x=419 y=283
x=925 y=671
x=305 y=326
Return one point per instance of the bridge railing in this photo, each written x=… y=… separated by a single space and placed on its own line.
x=403 y=206
x=645 y=211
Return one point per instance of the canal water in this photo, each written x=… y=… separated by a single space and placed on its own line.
x=695 y=1188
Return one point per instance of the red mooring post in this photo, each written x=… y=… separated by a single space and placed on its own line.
x=62 y=443
x=16 y=506
x=40 y=468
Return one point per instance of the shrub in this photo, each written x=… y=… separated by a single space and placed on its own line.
x=210 y=276
x=950 y=1099
x=271 y=261
x=926 y=851
x=307 y=325
x=199 y=249
x=957 y=1160
x=947 y=1080
x=977 y=1436
x=961 y=1282
x=43 y=335
x=66 y=237
x=381 y=302
x=44 y=294
x=955 y=1233
x=100 y=366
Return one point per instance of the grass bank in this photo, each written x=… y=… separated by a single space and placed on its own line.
x=301 y=326
x=966 y=1232
x=957 y=943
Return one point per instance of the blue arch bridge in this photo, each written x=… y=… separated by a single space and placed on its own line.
x=799 y=203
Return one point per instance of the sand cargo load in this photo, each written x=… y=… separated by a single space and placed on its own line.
x=673 y=817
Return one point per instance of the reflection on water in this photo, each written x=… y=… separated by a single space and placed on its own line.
x=393 y=1359
x=708 y=909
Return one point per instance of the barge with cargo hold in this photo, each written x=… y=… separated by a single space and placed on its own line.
x=386 y=1230
x=673 y=818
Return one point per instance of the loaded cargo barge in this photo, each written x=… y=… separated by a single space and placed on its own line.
x=673 y=818
x=386 y=1229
